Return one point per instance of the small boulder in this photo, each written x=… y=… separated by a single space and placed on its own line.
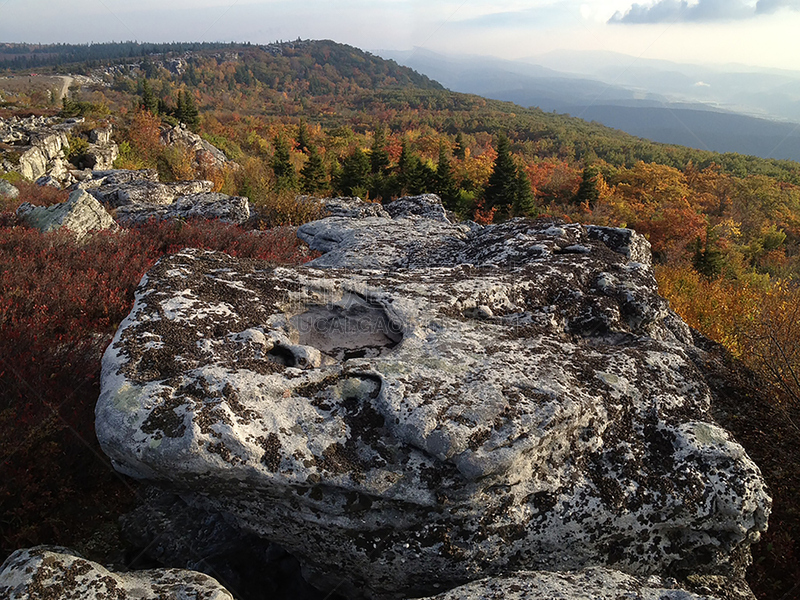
x=81 y=214
x=59 y=573
x=8 y=191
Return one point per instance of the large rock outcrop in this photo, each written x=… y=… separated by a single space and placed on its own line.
x=428 y=404
x=205 y=153
x=81 y=214
x=58 y=574
x=121 y=187
x=221 y=207
x=37 y=148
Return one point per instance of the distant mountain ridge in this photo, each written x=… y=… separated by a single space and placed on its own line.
x=650 y=99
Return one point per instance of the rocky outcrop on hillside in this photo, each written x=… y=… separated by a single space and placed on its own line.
x=429 y=404
x=138 y=196
x=36 y=148
x=205 y=153
x=221 y=207
x=57 y=573
x=81 y=215
x=121 y=187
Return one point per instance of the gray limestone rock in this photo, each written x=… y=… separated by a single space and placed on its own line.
x=121 y=188
x=590 y=584
x=48 y=181
x=429 y=404
x=229 y=209
x=353 y=208
x=100 y=156
x=81 y=214
x=57 y=573
x=204 y=151
x=8 y=191
x=426 y=205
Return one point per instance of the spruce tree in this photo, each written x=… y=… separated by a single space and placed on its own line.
x=460 y=150
x=508 y=189
x=353 y=177
x=445 y=181
x=149 y=101
x=312 y=175
x=190 y=114
x=378 y=156
x=588 y=192
x=281 y=163
x=413 y=176
x=303 y=141
x=708 y=260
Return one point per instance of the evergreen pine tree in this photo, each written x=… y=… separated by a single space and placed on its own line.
x=588 y=192
x=413 y=176
x=707 y=259
x=508 y=189
x=303 y=141
x=445 y=182
x=312 y=175
x=460 y=150
x=281 y=163
x=378 y=156
x=524 y=202
x=149 y=101
x=353 y=178
x=191 y=116
x=501 y=189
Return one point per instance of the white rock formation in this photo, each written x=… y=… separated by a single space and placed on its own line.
x=428 y=404
x=58 y=574
x=81 y=214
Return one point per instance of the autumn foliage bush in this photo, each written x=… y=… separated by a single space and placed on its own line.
x=60 y=304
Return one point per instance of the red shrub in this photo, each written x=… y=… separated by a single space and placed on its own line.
x=59 y=306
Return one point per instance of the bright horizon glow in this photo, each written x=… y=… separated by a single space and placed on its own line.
x=509 y=29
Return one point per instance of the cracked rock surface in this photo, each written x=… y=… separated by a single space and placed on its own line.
x=429 y=404
x=45 y=572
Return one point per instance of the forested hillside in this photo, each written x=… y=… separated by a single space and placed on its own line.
x=321 y=118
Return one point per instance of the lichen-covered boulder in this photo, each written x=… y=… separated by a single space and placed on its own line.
x=429 y=404
x=228 y=209
x=117 y=188
x=353 y=208
x=57 y=573
x=594 y=583
x=81 y=214
x=425 y=205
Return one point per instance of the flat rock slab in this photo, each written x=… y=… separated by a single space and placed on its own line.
x=42 y=572
x=429 y=404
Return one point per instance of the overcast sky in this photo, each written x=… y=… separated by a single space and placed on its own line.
x=762 y=32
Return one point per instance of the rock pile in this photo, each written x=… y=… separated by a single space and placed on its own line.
x=36 y=148
x=430 y=404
